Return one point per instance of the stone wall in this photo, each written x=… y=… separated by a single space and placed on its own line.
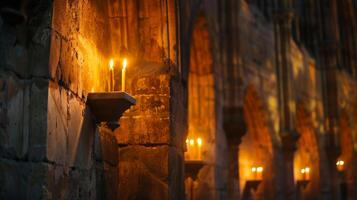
x=58 y=57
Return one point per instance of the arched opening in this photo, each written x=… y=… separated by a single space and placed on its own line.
x=306 y=156
x=201 y=112
x=256 y=150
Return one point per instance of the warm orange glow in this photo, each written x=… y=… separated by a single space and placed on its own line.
x=111 y=69
x=305 y=172
x=92 y=90
x=125 y=63
x=340 y=165
x=257 y=172
x=111 y=64
x=194 y=149
x=254 y=169
x=199 y=141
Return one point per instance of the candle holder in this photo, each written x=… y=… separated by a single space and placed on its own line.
x=302 y=184
x=108 y=107
x=250 y=185
x=192 y=167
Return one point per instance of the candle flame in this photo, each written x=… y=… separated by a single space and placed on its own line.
x=254 y=169
x=111 y=64
x=92 y=90
x=307 y=170
x=199 y=141
x=302 y=171
x=260 y=169
x=340 y=163
x=192 y=142
x=125 y=63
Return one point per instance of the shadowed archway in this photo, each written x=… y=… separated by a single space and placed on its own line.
x=256 y=149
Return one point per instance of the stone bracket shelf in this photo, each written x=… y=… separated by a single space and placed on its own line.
x=302 y=183
x=108 y=107
x=252 y=184
x=192 y=167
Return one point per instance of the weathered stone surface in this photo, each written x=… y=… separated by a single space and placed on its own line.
x=23 y=180
x=106 y=181
x=106 y=147
x=143 y=172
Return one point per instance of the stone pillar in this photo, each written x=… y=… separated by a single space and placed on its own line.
x=289 y=147
x=235 y=128
x=152 y=135
x=328 y=47
x=283 y=17
x=233 y=174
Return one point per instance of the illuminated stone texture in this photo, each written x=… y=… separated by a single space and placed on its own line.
x=288 y=66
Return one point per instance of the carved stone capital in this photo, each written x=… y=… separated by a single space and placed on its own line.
x=234 y=124
x=289 y=143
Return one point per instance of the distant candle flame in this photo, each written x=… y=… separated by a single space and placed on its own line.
x=92 y=90
x=125 y=63
x=199 y=141
x=254 y=169
x=260 y=169
x=192 y=142
x=111 y=64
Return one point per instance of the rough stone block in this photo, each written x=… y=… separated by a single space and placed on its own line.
x=57 y=130
x=143 y=129
x=23 y=180
x=143 y=172
x=106 y=181
x=38 y=119
x=80 y=134
x=14 y=100
x=106 y=147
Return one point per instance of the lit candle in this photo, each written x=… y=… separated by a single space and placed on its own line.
x=191 y=153
x=302 y=171
x=199 y=143
x=340 y=165
x=125 y=62
x=307 y=172
x=111 y=69
x=187 y=148
x=260 y=173
x=254 y=171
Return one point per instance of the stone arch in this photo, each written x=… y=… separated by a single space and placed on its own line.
x=256 y=148
x=347 y=155
x=201 y=108
x=307 y=153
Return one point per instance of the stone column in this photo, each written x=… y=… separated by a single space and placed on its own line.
x=283 y=17
x=235 y=128
x=329 y=61
x=233 y=174
x=289 y=147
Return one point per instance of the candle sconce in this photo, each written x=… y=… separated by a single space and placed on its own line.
x=340 y=164
x=194 y=149
x=108 y=107
x=253 y=183
x=305 y=174
x=257 y=173
x=192 y=167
